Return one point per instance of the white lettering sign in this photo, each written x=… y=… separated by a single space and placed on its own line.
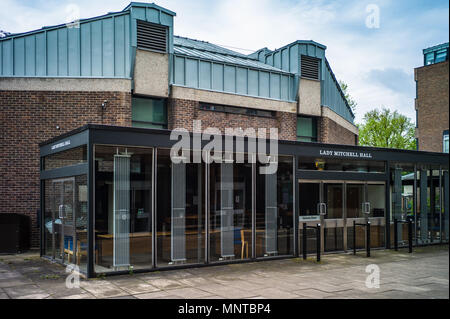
x=59 y=145
x=345 y=154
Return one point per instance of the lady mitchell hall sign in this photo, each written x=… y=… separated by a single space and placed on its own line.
x=345 y=154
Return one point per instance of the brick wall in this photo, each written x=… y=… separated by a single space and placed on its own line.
x=332 y=133
x=181 y=113
x=30 y=117
x=432 y=105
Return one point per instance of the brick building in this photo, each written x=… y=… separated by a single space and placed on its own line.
x=127 y=68
x=431 y=103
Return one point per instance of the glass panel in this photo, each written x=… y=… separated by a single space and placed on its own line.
x=377 y=200
x=180 y=212
x=274 y=210
x=306 y=128
x=123 y=208
x=429 y=58
x=434 y=205
x=49 y=209
x=441 y=55
x=73 y=156
x=65 y=220
x=230 y=210
x=333 y=234
x=423 y=206
x=445 y=148
x=149 y=112
x=321 y=164
x=355 y=199
x=445 y=208
x=333 y=200
x=309 y=197
x=402 y=200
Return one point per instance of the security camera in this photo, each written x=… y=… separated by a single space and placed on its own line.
x=105 y=102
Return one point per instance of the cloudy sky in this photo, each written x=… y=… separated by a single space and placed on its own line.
x=377 y=63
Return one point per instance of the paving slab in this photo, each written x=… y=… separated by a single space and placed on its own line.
x=26 y=292
x=423 y=274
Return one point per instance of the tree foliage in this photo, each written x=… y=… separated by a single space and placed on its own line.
x=351 y=102
x=383 y=128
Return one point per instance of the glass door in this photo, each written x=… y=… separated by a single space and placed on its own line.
x=63 y=220
x=333 y=219
x=322 y=202
x=336 y=205
x=365 y=201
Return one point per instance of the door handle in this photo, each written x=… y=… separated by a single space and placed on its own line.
x=366 y=208
x=61 y=211
x=323 y=209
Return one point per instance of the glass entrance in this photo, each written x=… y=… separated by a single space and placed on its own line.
x=337 y=205
x=322 y=202
x=63 y=219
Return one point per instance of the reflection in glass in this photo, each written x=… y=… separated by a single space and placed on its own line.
x=123 y=210
x=180 y=212
x=333 y=233
x=309 y=198
x=274 y=210
x=65 y=220
x=445 y=209
x=355 y=199
x=230 y=209
x=402 y=200
x=327 y=164
x=73 y=156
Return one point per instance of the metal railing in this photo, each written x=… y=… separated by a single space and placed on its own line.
x=410 y=237
x=305 y=240
x=367 y=225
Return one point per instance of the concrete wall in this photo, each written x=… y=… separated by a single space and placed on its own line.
x=309 y=97
x=65 y=84
x=151 y=73
x=232 y=99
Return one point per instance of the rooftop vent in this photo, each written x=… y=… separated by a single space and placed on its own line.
x=151 y=36
x=310 y=67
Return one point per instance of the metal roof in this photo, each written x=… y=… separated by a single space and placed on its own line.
x=205 y=50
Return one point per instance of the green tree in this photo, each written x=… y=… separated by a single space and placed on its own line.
x=383 y=128
x=351 y=102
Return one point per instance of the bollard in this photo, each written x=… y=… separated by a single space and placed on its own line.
x=354 y=237
x=318 y=242
x=410 y=236
x=368 y=239
x=395 y=234
x=304 y=243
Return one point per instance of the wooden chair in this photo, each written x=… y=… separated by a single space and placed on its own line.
x=81 y=249
x=244 y=244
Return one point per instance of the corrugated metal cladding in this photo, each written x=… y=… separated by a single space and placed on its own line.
x=96 y=47
x=99 y=48
x=199 y=64
x=332 y=95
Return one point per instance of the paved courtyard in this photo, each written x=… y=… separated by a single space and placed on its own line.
x=423 y=274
